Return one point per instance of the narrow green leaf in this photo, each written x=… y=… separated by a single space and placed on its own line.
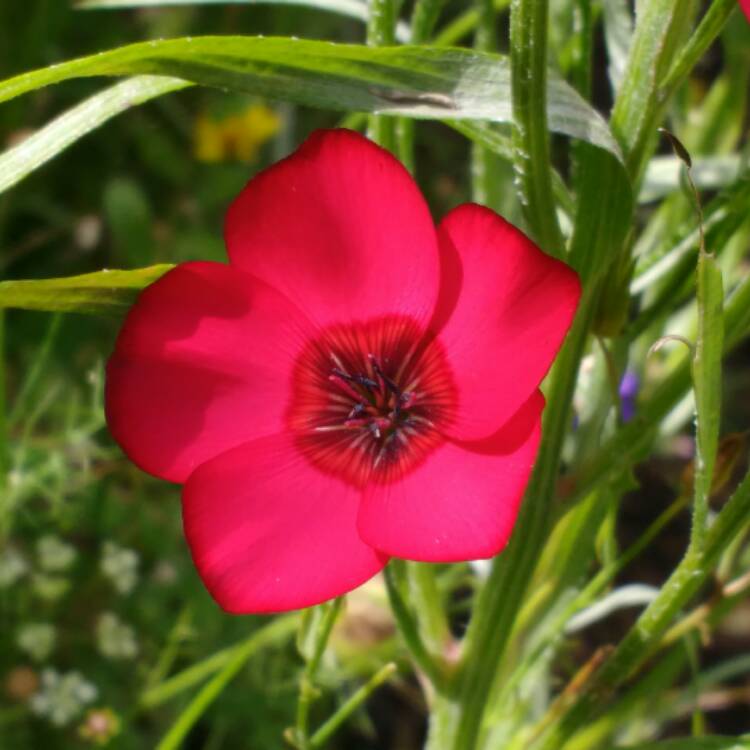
x=102 y=292
x=465 y=23
x=706 y=367
x=20 y=160
x=645 y=635
x=321 y=737
x=695 y=743
x=604 y=215
x=659 y=24
x=422 y=82
x=618 y=35
x=276 y=631
x=700 y=40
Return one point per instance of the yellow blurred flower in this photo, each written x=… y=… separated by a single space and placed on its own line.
x=238 y=136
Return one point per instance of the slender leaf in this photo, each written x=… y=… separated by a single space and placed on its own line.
x=105 y=292
x=695 y=743
x=421 y=82
x=321 y=737
x=641 y=640
x=707 y=383
x=275 y=632
x=17 y=162
x=618 y=35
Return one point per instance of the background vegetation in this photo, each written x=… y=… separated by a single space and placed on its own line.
x=616 y=618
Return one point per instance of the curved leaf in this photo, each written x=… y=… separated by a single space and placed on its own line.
x=47 y=142
x=100 y=292
x=422 y=82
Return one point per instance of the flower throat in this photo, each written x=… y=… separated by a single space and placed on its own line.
x=371 y=399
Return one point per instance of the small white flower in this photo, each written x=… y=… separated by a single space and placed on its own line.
x=37 y=639
x=62 y=698
x=120 y=565
x=114 y=638
x=12 y=567
x=54 y=554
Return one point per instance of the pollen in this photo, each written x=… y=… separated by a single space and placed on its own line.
x=371 y=399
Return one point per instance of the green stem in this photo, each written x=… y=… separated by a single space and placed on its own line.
x=408 y=627
x=307 y=690
x=706 y=370
x=423 y=21
x=37 y=371
x=427 y=604
x=276 y=631
x=499 y=601
x=325 y=732
x=381 y=31
x=169 y=652
x=528 y=62
x=481 y=157
x=464 y=24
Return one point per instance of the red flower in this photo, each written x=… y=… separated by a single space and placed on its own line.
x=353 y=385
x=745 y=5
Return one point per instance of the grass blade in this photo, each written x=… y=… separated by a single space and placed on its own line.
x=20 y=160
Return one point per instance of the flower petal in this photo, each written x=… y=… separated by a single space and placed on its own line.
x=745 y=5
x=508 y=307
x=462 y=502
x=269 y=532
x=341 y=228
x=203 y=363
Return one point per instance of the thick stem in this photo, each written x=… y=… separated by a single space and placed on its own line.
x=381 y=31
x=498 y=604
x=481 y=157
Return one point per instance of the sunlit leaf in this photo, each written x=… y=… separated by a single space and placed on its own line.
x=108 y=292
x=421 y=82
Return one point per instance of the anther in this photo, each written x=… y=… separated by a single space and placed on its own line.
x=341 y=382
x=392 y=387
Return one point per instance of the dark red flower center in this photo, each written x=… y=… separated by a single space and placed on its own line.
x=370 y=400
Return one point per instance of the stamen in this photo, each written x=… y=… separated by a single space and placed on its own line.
x=352 y=411
x=341 y=383
x=357 y=409
x=392 y=387
x=335 y=427
x=337 y=361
